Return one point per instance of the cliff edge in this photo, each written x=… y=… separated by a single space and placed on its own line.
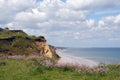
x=46 y=49
x=17 y=42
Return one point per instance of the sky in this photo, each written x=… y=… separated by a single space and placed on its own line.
x=65 y=23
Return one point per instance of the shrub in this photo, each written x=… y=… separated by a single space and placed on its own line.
x=21 y=43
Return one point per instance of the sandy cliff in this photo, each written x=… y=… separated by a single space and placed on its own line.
x=18 y=43
x=46 y=49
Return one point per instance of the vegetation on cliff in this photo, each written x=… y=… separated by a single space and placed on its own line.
x=17 y=42
x=32 y=69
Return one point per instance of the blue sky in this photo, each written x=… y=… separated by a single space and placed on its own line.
x=66 y=23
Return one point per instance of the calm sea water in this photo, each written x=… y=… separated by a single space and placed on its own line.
x=101 y=55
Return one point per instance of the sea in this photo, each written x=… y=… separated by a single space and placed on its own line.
x=100 y=55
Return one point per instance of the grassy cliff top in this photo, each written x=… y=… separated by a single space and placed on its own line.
x=17 y=42
x=6 y=33
x=11 y=33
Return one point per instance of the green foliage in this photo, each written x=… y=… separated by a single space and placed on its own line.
x=21 y=42
x=16 y=42
x=19 y=46
x=32 y=37
x=4 y=47
x=40 y=37
x=20 y=69
x=9 y=33
x=67 y=68
x=40 y=69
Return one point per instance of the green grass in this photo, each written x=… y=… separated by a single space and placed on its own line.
x=30 y=69
x=22 y=44
x=19 y=46
x=8 y=33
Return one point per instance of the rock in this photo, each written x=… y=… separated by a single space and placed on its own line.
x=46 y=50
x=53 y=50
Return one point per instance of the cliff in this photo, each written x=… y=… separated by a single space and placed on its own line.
x=17 y=42
x=45 y=49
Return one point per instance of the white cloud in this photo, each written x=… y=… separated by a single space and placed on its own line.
x=79 y=4
x=90 y=23
x=34 y=16
x=117 y=19
x=9 y=25
x=92 y=4
x=77 y=35
x=108 y=28
x=20 y=4
x=110 y=21
x=71 y=15
x=9 y=8
x=105 y=12
x=61 y=21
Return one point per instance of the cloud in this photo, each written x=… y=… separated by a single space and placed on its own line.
x=110 y=22
x=71 y=15
x=92 y=4
x=107 y=28
x=106 y=12
x=9 y=8
x=9 y=25
x=62 y=22
x=33 y=16
x=90 y=23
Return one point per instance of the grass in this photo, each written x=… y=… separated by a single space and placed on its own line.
x=20 y=46
x=9 y=33
x=17 y=43
x=31 y=69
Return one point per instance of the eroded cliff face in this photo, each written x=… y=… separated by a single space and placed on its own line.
x=46 y=49
x=18 y=43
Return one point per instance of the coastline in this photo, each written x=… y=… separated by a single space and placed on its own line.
x=79 y=61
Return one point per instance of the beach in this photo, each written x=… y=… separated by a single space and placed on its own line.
x=79 y=61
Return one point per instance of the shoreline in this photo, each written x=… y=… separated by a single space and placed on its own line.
x=69 y=59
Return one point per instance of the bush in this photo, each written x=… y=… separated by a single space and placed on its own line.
x=21 y=43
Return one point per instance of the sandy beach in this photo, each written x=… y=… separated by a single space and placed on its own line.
x=68 y=59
